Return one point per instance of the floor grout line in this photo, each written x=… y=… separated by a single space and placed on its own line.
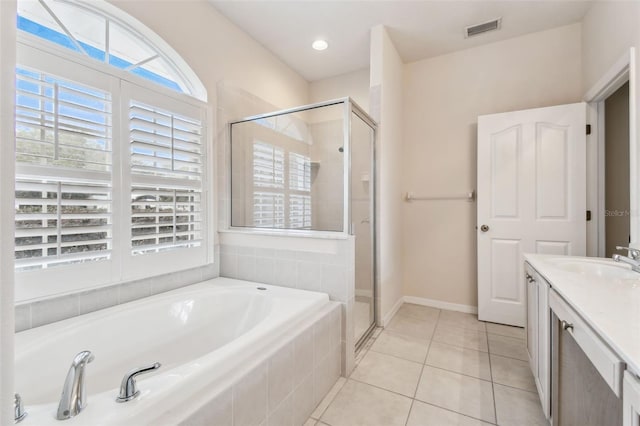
x=426 y=355
x=381 y=388
x=493 y=387
x=334 y=397
x=367 y=347
x=406 y=422
x=399 y=357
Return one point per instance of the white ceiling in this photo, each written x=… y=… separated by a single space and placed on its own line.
x=419 y=28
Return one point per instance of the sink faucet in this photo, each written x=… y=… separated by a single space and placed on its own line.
x=72 y=400
x=632 y=259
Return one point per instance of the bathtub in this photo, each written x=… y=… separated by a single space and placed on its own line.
x=232 y=352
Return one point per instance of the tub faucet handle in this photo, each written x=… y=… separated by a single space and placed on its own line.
x=128 y=389
x=18 y=409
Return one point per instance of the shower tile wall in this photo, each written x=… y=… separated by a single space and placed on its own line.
x=331 y=273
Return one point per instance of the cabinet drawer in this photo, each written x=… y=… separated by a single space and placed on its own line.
x=606 y=362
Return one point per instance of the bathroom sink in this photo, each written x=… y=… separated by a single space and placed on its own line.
x=603 y=268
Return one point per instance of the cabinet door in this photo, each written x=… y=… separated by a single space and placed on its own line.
x=631 y=400
x=532 y=321
x=543 y=379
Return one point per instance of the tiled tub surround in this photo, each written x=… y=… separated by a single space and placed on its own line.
x=36 y=313
x=277 y=361
x=328 y=270
x=433 y=367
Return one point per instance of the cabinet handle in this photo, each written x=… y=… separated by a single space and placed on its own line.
x=529 y=278
x=566 y=326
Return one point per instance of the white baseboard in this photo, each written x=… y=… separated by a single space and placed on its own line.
x=387 y=318
x=440 y=304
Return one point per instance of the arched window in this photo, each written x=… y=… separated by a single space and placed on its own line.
x=110 y=168
x=100 y=31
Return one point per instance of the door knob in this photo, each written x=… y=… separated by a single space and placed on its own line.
x=484 y=228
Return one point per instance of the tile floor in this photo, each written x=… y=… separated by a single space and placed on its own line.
x=432 y=367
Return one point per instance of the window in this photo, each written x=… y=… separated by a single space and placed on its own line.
x=100 y=32
x=109 y=171
x=63 y=182
x=168 y=146
x=278 y=201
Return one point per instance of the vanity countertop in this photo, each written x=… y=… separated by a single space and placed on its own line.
x=611 y=306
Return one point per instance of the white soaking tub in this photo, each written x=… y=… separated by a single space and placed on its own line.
x=207 y=336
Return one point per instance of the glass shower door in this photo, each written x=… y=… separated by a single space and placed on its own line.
x=363 y=223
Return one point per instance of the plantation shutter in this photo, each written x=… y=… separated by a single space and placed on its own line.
x=63 y=197
x=282 y=189
x=300 y=191
x=166 y=158
x=268 y=182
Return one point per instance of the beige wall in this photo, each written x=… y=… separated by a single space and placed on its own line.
x=218 y=50
x=443 y=97
x=354 y=84
x=609 y=30
x=386 y=107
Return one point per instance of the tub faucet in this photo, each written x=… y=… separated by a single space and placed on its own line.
x=72 y=400
x=128 y=389
x=18 y=409
x=633 y=259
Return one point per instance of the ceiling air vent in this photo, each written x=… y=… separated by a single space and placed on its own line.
x=482 y=28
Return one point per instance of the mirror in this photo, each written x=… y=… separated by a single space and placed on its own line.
x=287 y=170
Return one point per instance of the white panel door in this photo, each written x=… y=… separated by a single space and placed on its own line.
x=531 y=199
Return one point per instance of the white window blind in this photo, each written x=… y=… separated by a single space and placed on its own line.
x=166 y=173
x=268 y=209
x=62 y=123
x=299 y=172
x=60 y=223
x=164 y=144
x=63 y=198
x=268 y=166
x=300 y=211
x=282 y=189
x=163 y=218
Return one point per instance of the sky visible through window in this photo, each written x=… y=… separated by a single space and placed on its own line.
x=64 y=40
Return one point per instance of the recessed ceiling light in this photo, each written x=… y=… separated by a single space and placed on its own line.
x=320 y=44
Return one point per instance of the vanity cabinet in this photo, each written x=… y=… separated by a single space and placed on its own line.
x=631 y=400
x=582 y=339
x=586 y=373
x=537 y=333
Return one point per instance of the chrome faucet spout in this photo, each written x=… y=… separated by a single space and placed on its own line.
x=635 y=265
x=72 y=400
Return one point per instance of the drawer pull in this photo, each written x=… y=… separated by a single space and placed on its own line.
x=566 y=326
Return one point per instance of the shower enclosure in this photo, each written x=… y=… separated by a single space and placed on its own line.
x=311 y=170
